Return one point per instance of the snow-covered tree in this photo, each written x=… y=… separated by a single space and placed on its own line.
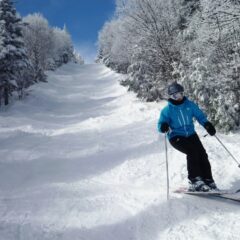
x=47 y=47
x=39 y=42
x=28 y=47
x=142 y=35
x=62 y=51
x=211 y=57
x=193 y=41
x=78 y=58
x=14 y=64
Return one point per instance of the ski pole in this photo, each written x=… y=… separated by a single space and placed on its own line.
x=166 y=154
x=227 y=150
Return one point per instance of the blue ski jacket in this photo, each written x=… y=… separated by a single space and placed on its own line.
x=180 y=118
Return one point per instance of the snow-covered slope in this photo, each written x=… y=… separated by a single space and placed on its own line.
x=80 y=159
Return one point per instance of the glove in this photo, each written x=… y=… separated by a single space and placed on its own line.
x=210 y=128
x=164 y=127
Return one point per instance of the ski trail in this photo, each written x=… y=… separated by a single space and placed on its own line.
x=80 y=158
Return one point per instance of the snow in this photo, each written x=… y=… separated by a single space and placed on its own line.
x=81 y=159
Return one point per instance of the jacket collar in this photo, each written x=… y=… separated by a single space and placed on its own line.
x=176 y=103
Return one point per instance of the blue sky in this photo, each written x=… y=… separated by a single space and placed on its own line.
x=83 y=18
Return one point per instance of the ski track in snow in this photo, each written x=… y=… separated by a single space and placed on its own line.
x=81 y=159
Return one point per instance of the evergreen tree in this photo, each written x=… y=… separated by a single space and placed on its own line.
x=13 y=59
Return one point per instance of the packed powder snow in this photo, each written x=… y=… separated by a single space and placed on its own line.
x=81 y=158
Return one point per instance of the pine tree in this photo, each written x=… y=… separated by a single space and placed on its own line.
x=13 y=59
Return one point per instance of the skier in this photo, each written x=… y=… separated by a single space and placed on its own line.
x=176 y=119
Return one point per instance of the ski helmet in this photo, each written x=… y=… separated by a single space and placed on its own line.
x=175 y=88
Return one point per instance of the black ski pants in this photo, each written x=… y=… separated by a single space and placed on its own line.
x=197 y=158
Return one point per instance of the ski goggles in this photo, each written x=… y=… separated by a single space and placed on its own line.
x=177 y=95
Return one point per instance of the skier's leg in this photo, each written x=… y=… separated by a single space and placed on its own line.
x=205 y=166
x=186 y=146
x=179 y=143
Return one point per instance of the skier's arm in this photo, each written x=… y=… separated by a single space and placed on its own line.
x=202 y=119
x=198 y=114
x=163 y=122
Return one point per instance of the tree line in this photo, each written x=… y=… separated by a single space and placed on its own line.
x=194 y=42
x=28 y=48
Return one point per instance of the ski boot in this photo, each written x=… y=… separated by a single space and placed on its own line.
x=211 y=184
x=198 y=185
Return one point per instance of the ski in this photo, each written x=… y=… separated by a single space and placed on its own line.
x=233 y=196
x=224 y=194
